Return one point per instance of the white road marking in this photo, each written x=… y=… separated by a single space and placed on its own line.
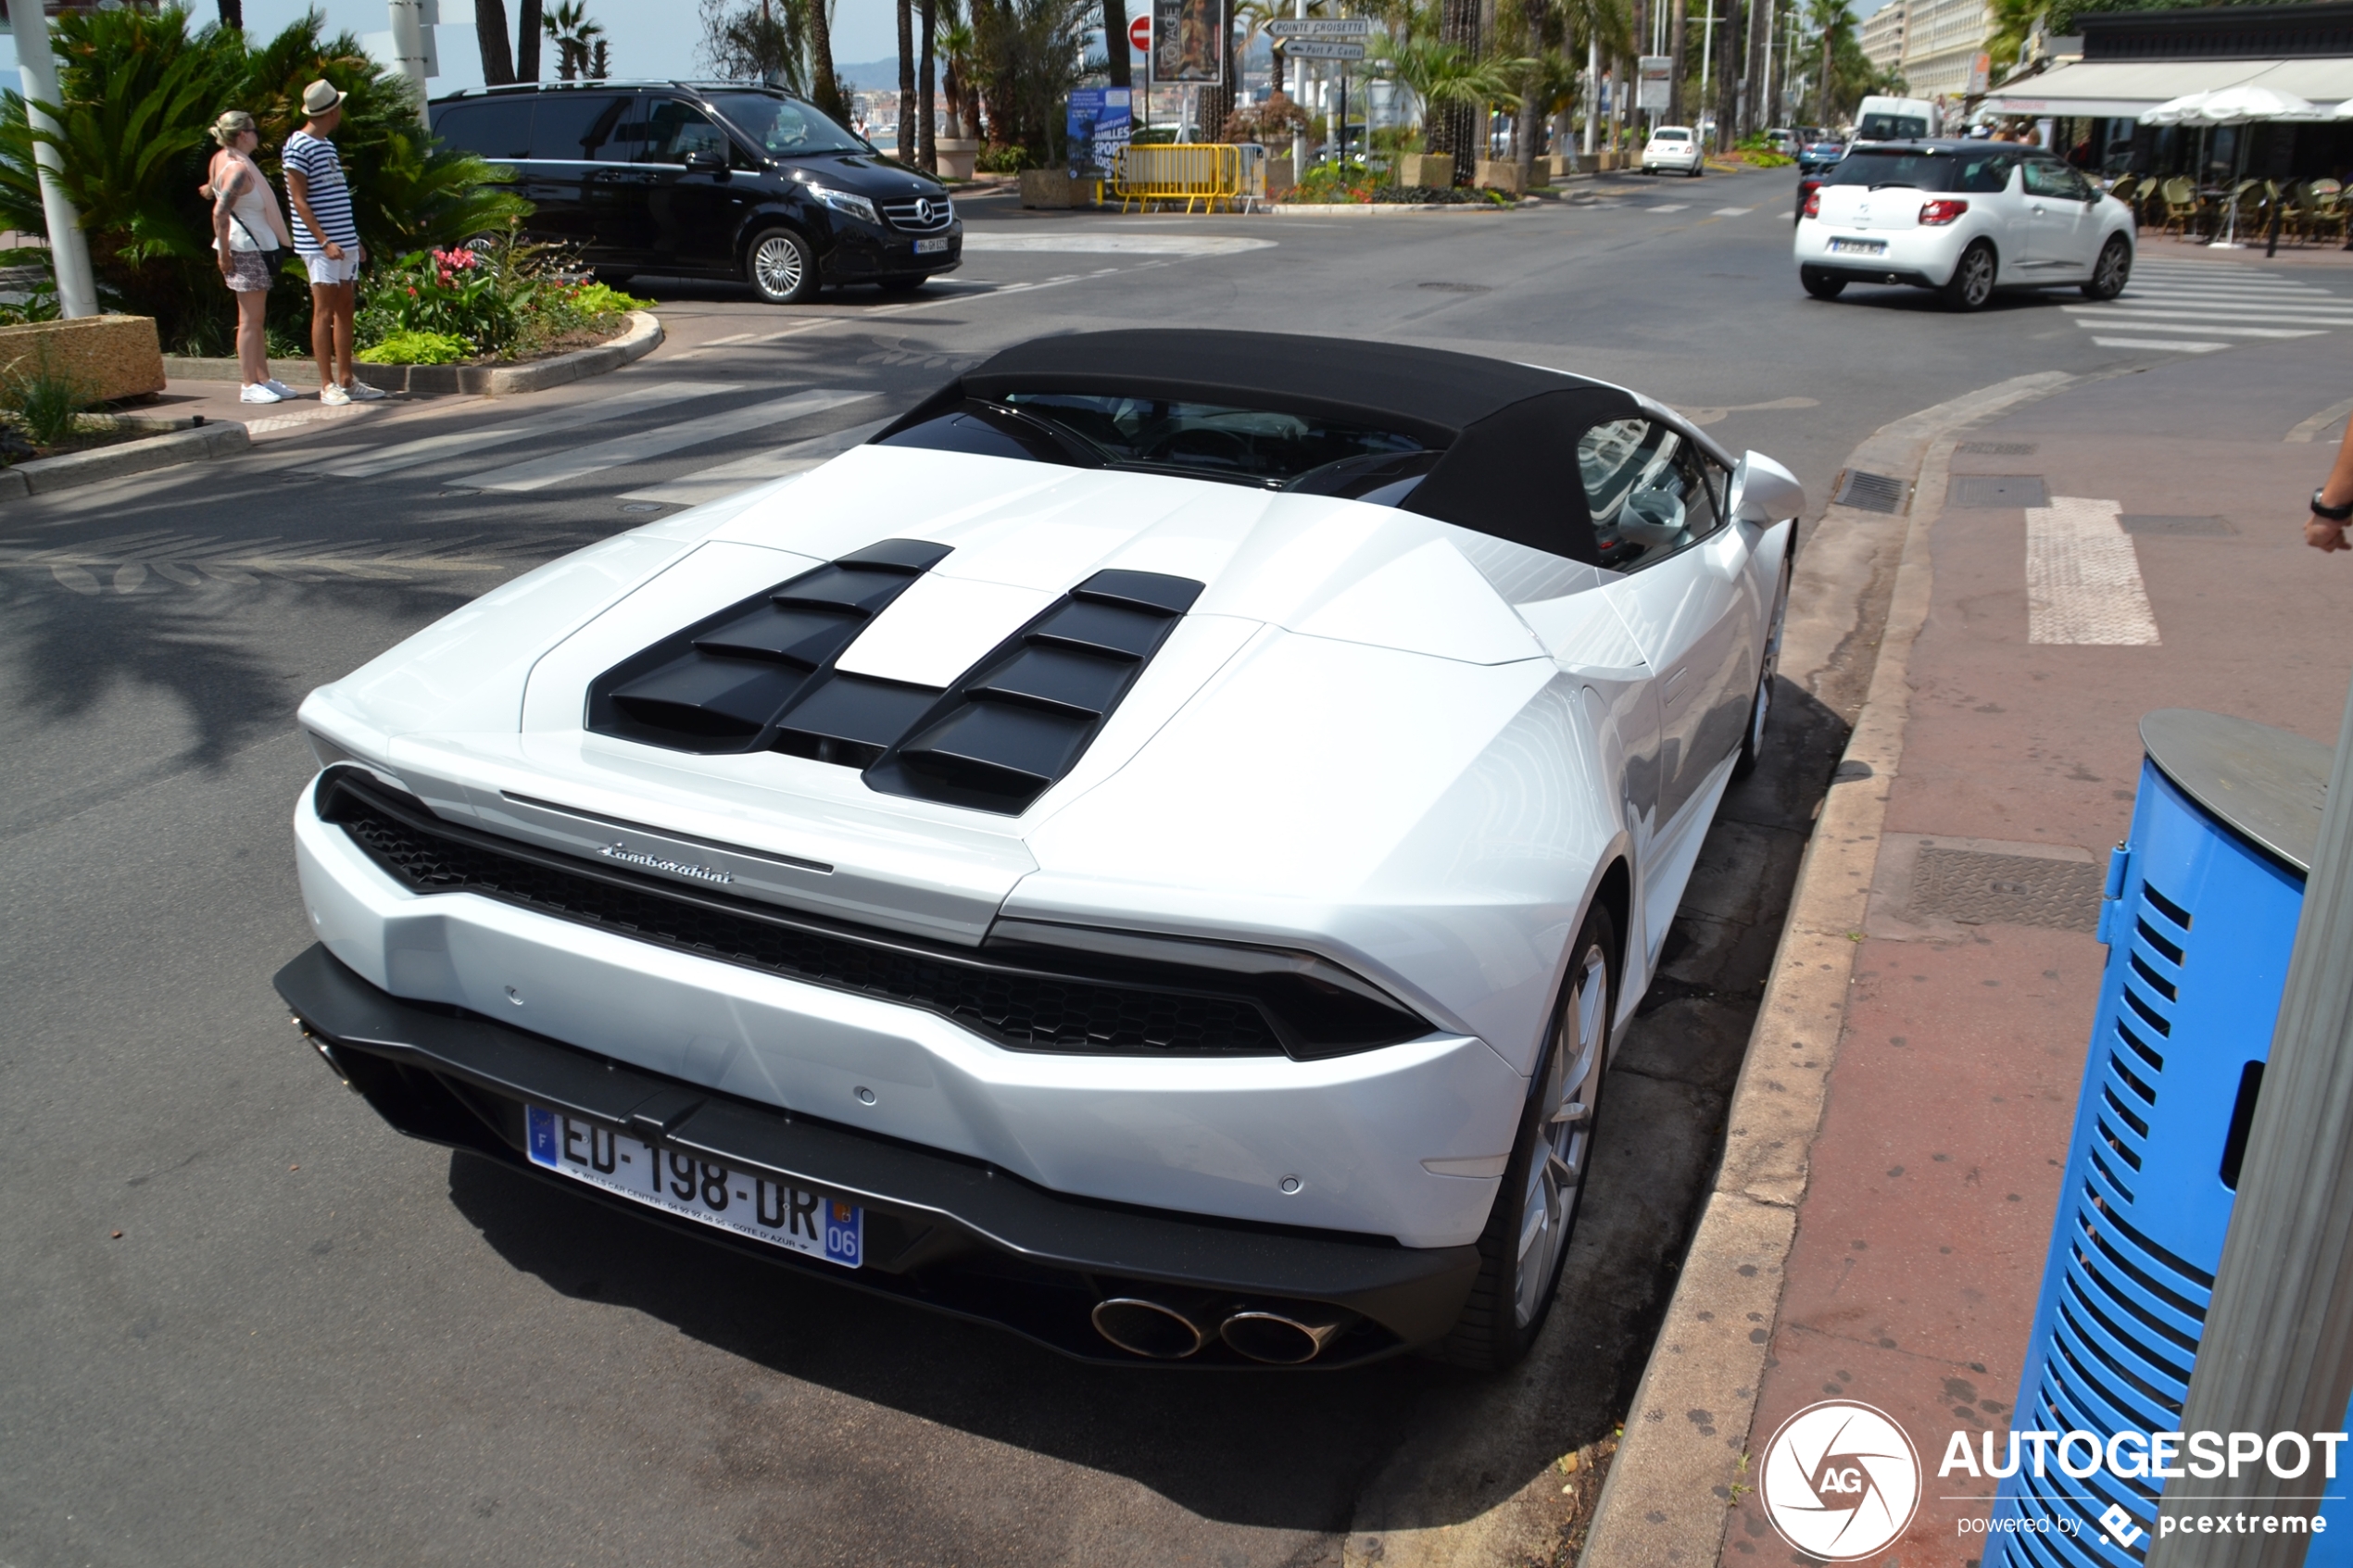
x=794 y=457
x=539 y=473
x=2173 y=345
x=1670 y=207
x=1731 y=211
x=2160 y=312
x=269 y=423
x=2084 y=577
x=457 y=442
x=1088 y=242
x=2131 y=321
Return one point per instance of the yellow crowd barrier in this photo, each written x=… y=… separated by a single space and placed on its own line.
x=1168 y=171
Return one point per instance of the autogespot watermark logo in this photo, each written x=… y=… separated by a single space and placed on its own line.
x=1840 y=1480
x=2134 y=1455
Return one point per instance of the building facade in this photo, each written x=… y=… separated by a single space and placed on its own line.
x=1882 y=35
x=1942 y=41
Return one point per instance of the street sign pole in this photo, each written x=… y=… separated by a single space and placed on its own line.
x=68 y=247
x=2276 y=1353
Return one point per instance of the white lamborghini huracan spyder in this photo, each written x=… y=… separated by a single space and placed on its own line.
x=1149 y=851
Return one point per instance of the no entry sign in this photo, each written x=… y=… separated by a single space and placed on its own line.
x=1139 y=34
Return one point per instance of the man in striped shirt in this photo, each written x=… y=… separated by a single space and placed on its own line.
x=328 y=241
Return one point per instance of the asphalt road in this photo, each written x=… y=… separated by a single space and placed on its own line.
x=315 y=1342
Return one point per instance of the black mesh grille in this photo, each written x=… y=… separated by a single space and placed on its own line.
x=1020 y=1010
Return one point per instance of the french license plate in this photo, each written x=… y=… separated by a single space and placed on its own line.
x=1859 y=247
x=782 y=1216
x=931 y=247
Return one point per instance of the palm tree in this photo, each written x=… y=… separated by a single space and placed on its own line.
x=1830 y=19
x=1251 y=16
x=1448 y=80
x=955 y=79
x=490 y=33
x=574 y=35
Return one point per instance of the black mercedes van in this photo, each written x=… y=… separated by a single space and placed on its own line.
x=708 y=178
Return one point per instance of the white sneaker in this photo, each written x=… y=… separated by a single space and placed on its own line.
x=360 y=392
x=281 y=388
x=333 y=396
x=259 y=392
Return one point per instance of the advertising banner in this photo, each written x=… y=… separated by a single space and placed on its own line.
x=1657 y=88
x=1098 y=123
x=1188 y=41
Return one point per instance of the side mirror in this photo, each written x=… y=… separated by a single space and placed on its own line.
x=1765 y=492
x=708 y=161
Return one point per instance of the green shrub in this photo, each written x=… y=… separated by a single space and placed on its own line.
x=416 y=348
x=1003 y=160
x=40 y=399
x=503 y=298
x=601 y=299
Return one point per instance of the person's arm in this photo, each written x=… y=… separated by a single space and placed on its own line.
x=225 y=193
x=298 y=187
x=2319 y=531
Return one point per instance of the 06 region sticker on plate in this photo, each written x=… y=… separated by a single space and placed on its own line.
x=764 y=1210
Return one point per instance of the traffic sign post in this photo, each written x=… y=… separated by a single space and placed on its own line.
x=1317 y=49
x=1321 y=27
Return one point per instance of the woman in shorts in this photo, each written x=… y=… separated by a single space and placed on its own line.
x=248 y=229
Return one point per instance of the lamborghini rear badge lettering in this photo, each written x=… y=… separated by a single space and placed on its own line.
x=619 y=851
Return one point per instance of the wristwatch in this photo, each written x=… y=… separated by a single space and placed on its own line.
x=2335 y=514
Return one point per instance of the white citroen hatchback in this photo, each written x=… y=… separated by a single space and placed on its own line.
x=1963 y=218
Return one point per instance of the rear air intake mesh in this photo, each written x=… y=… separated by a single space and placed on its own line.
x=1016 y=1005
x=722 y=683
x=1022 y=716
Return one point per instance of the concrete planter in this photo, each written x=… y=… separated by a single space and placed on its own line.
x=1611 y=162
x=1434 y=170
x=1278 y=177
x=639 y=339
x=955 y=155
x=1496 y=175
x=108 y=358
x=1055 y=188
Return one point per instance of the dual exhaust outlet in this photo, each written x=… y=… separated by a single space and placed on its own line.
x=1170 y=1326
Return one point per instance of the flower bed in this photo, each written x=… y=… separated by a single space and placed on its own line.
x=499 y=301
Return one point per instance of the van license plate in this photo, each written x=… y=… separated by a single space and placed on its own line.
x=1858 y=247
x=814 y=1223
x=931 y=247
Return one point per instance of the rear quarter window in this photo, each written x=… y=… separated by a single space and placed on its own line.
x=497 y=129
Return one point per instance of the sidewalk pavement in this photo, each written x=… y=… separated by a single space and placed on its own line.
x=1933 y=1180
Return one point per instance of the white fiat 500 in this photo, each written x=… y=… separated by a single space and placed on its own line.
x=1673 y=147
x=1963 y=218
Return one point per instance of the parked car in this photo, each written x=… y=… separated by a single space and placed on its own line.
x=1965 y=218
x=710 y=180
x=1815 y=157
x=1151 y=851
x=1674 y=147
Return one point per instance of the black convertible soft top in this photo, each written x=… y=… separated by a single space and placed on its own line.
x=1508 y=432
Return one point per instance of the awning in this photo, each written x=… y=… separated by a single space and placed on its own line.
x=2128 y=89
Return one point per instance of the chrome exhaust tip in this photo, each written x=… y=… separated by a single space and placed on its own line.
x=1156 y=1330
x=1284 y=1336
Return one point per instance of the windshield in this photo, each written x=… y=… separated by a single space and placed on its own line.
x=782 y=128
x=1877 y=126
x=1984 y=173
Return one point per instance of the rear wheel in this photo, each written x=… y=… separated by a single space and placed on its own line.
x=781 y=268
x=1527 y=1236
x=1760 y=707
x=1821 y=284
x=1971 y=284
x=2113 y=271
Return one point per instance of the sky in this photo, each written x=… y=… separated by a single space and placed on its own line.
x=648 y=38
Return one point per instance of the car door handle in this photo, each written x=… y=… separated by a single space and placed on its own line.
x=2039 y=209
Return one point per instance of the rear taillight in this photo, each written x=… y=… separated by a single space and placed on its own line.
x=1935 y=213
x=1813 y=207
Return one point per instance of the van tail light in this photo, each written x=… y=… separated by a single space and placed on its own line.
x=1936 y=213
x=1814 y=202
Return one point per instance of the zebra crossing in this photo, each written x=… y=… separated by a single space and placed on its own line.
x=450 y=457
x=2199 y=307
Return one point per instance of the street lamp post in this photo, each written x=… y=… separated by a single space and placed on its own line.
x=68 y=247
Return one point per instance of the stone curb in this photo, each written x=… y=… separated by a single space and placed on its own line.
x=44 y=476
x=1711 y=1351
x=643 y=336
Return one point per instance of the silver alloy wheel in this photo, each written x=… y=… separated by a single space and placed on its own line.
x=776 y=267
x=1977 y=277
x=2114 y=272
x=1563 y=1133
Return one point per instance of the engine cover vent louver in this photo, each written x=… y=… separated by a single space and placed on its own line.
x=723 y=684
x=1022 y=717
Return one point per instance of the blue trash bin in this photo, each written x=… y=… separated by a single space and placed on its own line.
x=2200 y=917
